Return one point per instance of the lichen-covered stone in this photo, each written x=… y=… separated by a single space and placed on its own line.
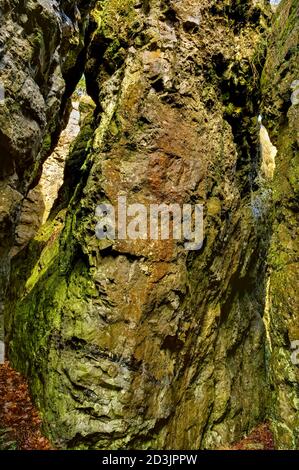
x=282 y=307
x=141 y=344
x=41 y=48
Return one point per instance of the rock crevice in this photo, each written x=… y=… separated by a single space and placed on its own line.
x=140 y=343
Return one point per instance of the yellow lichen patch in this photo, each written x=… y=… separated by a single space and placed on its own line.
x=50 y=236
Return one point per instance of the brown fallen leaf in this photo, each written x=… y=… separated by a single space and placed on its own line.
x=18 y=417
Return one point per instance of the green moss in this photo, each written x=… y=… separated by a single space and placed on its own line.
x=47 y=144
x=280 y=70
x=110 y=15
x=37 y=40
x=117 y=25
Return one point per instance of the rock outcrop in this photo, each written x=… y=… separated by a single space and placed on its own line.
x=41 y=52
x=140 y=343
x=281 y=112
x=37 y=205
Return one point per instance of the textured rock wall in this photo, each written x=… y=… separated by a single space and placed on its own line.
x=136 y=344
x=41 y=47
x=37 y=205
x=281 y=112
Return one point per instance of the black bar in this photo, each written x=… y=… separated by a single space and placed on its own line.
x=150 y=459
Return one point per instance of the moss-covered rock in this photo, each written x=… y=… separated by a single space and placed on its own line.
x=42 y=49
x=282 y=313
x=143 y=344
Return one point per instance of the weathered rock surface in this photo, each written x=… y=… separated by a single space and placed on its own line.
x=41 y=44
x=37 y=205
x=137 y=344
x=281 y=111
x=53 y=169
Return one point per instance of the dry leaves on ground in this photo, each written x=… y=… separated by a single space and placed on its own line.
x=20 y=424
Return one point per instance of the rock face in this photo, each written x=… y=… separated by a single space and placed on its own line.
x=53 y=169
x=281 y=111
x=268 y=154
x=37 y=205
x=141 y=343
x=41 y=46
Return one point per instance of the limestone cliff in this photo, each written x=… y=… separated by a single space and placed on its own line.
x=142 y=343
x=38 y=203
x=41 y=48
x=280 y=109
